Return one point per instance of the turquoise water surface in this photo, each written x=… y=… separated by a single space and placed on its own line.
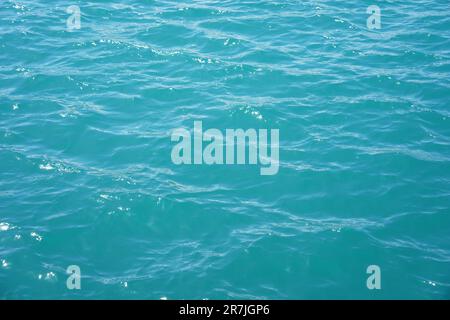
x=86 y=176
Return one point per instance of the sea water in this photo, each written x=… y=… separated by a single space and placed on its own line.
x=90 y=93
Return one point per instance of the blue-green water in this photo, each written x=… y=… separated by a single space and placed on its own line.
x=86 y=176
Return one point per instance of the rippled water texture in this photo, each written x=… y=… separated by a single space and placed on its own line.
x=86 y=176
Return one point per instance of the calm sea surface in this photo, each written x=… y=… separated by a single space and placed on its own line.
x=86 y=176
